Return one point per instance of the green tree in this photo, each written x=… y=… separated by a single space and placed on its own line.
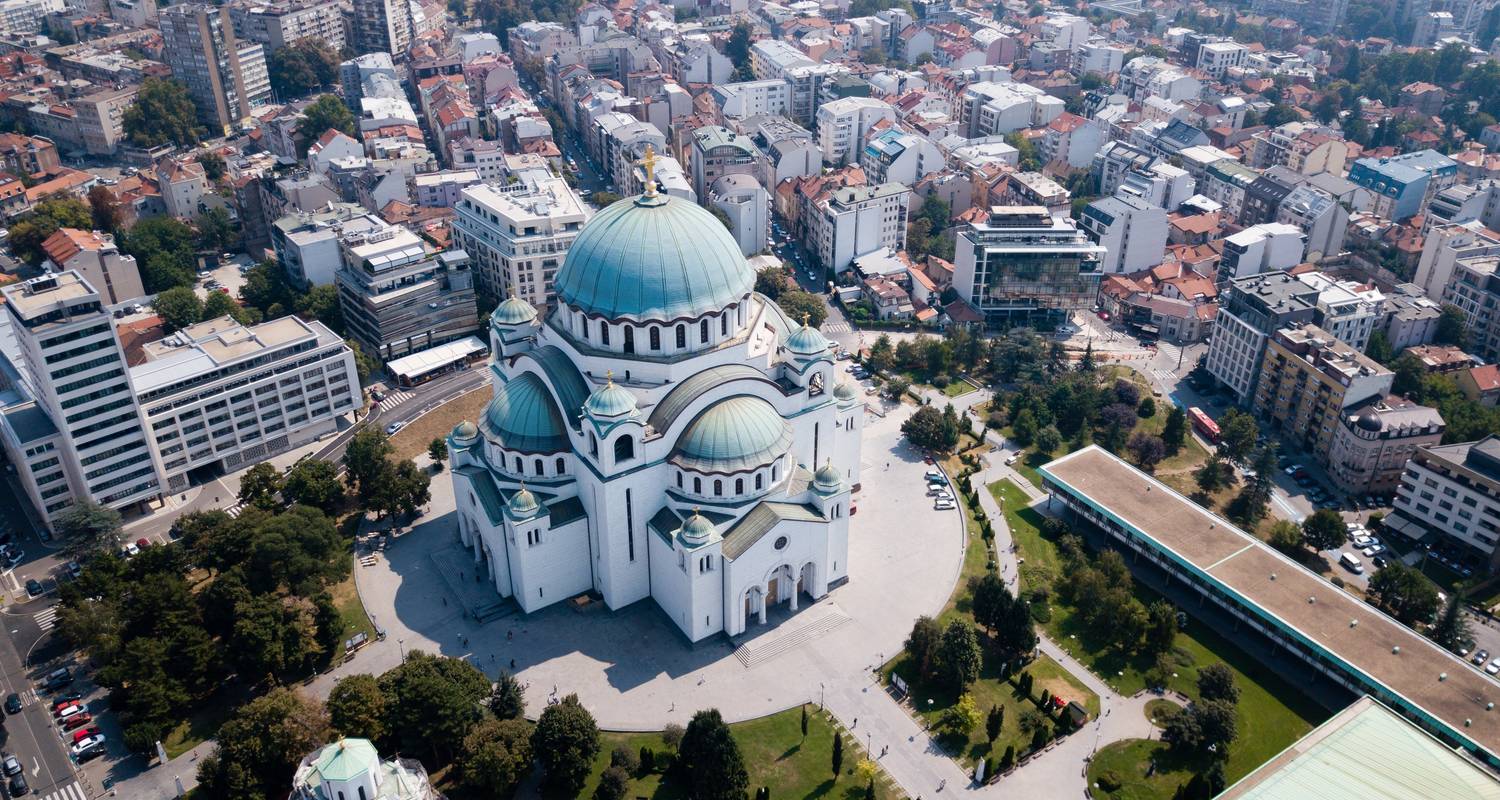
x=86 y=528
x=1048 y=439
x=220 y=304
x=1161 y=629
x=163 y=112
x=1452 y=327
x=771 y=282
x=166 y=248
x=1216 y=682
x=432 y=702
x=1213 y=475
x=1404 y=593
x=838 y=754
x=365 y=458
x=326 y=113
x=799 y=304
x=961 y=717
x=1452 y=628
x=1148 y=450
x=604 y=199
x=29 y=232
x=365 y=364
x=1286 y=537
x=928 y=429
x=882 y=354
x=922 y=643
x=322 y=304
x=302 y=66
x=258 y=747
x=1024 y=428
x=357 y=707
x=993 y=722
x=213 y=165
x=958 y=655
x=508 y=698
x=1237 y=434
x=1174 y=430
x=1323 y=530
x=710 y=760
x=495 y=755
x=104 y=210
x=216 y=231
x=313 y=482
x=259 y=485
x=437 y=450
x=738 y=48
x=1379 y=347
x=178 y=308
x=566 y=740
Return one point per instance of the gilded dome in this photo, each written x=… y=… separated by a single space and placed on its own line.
x=465 y=432
x=513 y=311
x=523 y=417
x=737 y=433
x=658 y=258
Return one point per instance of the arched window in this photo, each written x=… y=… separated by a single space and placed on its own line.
x=655 y=334
x=603 y=332
x=703 y=331
x=629 y=339
x=697 y=486
x=718 y=488
x=361 y=793
x=679 y=480
x=624 y=449
x=519 y=469
x=724 y=325
x=776 y=472
x=593 y=445
x=739 y=486
x=759 y=479
x=560 y=465
x=538 y=465
x=681 y=336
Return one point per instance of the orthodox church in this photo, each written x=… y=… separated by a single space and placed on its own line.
x=663 y=431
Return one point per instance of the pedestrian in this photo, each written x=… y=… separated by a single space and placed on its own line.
x=856 y=723
x=512 y=665
x=510 y=634
x=445 y=602
x=941 y=784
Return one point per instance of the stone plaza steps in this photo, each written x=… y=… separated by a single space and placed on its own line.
x=791 y=634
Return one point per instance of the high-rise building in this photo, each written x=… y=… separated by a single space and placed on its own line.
x=517 y=234
x=224 y=75
x=1023 y=264
x=1254 y=308
x=71 y=424
x=1452 y=493
x=1307 y=380
x=278 y=23
x=382 y=26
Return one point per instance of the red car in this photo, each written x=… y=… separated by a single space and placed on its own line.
x=84 y=733
x=76 y=720
x=143 y=543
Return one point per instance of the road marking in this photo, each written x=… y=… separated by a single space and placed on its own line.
x=393 y=400
x=71 y=792
x=236 y=509
x=46 y=619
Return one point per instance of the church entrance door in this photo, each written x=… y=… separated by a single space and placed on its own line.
x=773 y=595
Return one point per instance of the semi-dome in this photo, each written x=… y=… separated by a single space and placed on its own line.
x=827 y=479
x=807 y=341
x=698 y=528
x=735 y=434
x=523 y=502
x=656 y=258
x=523 y=417
x=465 y=432
x=513 y=311
x=611 y=401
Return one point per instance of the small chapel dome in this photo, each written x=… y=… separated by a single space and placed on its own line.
x=465 y=433
x=844 y=392
x=523 y=502
x=807 y=341
x=611 y=400
x=697 y=528
x=827 y=479
x=513 y=311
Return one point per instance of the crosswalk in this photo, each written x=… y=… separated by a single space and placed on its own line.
x=236 y=510
x=46 y=619
x=73 y=791
x=1166 y=376
x=837 y=327
x=395 y=399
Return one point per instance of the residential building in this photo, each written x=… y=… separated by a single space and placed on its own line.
x=93 y=123
x=351 y=768
x=537 y=41
x=27 y=16
x=843 y=123
x=384 y=26
x=1374 y=441
x=1347 y=309
x=746 y=99
x=1170 y=301
x=1115 y=160
x=1410 y=317
x=1462 y=263
x=1023 y=265
x=1480 y=384
x=518 y=234
x=856 y=220
x=278 y=23
x=441 y=189
x=1322 y=220
x=98 y=260
x=74 y=400
x=717 y=151
x=1261 y=248
x=1250 y=311
x=987 y=108
x=223 y=395
x=182 y=185
x=1308 y=380
x=225 y=76
x=1132 y=232
x=1451 y=493
x=1034 y=189
x=395 y=296
x=1217 y=58
x=1070 y=139
x=898 y=156
x=748 y=206
x=307 y=243
x=1314 y=17
x=1402 y=185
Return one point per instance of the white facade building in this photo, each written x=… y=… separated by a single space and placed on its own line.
x=858 y=220
x=1262 y=248
x=666 y=433
x=748 y=206
x=843 y=123
x=1132 y=231
x=517 y=234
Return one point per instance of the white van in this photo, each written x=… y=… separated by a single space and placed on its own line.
x=1352 y=563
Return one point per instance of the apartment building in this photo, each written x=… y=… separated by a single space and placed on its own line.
x=746 y=99
x=396 y=297
x=27 y=16
x=1452 y=492
x=1374 y=440
x=857 y=220
x=77 y=426
x=97 y=258
x=716 y=151
x=897 y=156
x=747 y=204
x=1308 y=379
x=1217 y=58
x=222 y=395
x=283 y=22
x=843 y=123
x=225 y=76
x=93 y=123
x=1132 y=232
x=307 y=243
x=382 y=26
x=1025 y=266
x=1347 y=309
x=1250 y=311
x=987 y=108
x=1403 y=185
x=518 y=234
x=1409 y=317
x=1034 y=189
x=1261 y=248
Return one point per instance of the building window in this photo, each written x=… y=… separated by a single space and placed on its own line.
x=604 y=332
x=655 y=335
x=681 y=336
x=697 y=486
x=724 y=325
x=624 y=449
x=538 y=464
x=629 y=339
x=718 y=488
x=739 y=486
x=759 y=479
x=679 y=480
x=520 y=470
x=559 y=465
x=703 y=332
x=630 y=524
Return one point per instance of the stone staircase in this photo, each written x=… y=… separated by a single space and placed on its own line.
x=791 y=634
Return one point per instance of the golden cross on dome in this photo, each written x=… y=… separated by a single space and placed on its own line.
x=609 y=377
x=648 y=162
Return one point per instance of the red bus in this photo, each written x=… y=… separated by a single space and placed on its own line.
x=1204 y=424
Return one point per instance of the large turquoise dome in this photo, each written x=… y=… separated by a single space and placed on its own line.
x=523 y=417
x=659 y=258
x=735 y=434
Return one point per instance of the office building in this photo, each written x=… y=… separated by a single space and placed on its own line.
x=398 y=298
x=1307 y=380
x=517 y=234
x=73 y=424
x=1250 y=311
x=1344 y=644
x=382 y=26
x=857 y=220
x=1451 y=494
x=307 y=243
x=716 y=151
x=1132 y=232
x=278 y=23
x=1025 y=266
x=226 y=77
x=98 y=259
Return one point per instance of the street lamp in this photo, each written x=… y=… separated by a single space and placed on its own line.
x=401 y=646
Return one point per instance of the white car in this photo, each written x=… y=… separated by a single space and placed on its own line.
x=129 y=549
x=1493 y=667
x=68 y=711
x=1374 y=550
x=944 y=505
x=1364 y=541
x=1292 y=469
x=87 y=742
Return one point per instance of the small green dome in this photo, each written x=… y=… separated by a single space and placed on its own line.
x=656 y=258
x=611 y=401
x=827 y=480
x=734 y=434
x=697 y=528
x=807 y=341
x=346 y=760
x=523 y=503
x=844 y=392
x=465 y=432
x=523 y=417
x=513 y=311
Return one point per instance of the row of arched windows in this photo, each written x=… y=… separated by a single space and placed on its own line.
x=738 y=486
x=602 y=332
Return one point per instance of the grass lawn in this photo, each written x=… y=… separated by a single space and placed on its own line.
x=351 y=609
x=1125 y=762
x=775 y=755
x=202 y=725
x=958 y=388
x=976 y=561
x=1041 y=561
x=1157 y=709
x=413 y=440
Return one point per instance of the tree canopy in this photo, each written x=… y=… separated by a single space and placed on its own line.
x=163 y=113
x=326 y=113
x=302 y=66
x=28 y=232
x=566 y=740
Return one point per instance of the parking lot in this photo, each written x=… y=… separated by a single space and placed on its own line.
x=228 y=276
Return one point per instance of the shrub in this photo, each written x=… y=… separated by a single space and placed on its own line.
x=1337 y=581
x=1110 y=781
x=941 y=381
x=623 y=758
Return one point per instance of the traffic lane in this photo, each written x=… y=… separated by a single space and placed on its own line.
x=423 y=398
x=32 y=735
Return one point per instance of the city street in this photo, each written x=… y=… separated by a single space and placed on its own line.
x=32 y=735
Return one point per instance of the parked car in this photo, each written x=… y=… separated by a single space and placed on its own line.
x=143 y=543
x=87 y=743
x=1363 y=541
x=13 y=703
x=130 y=549
x=90 y=754
x=1481 y=657
x=34 y=588
x=944 y=505
x=84 y=733
x=57 y=679
x=1374 y=550
x=1493 y=667
x=18 y=786
x=1012 y=459
x=71 y=710
x=1381 y=563
x=77 y=720
x=935 y=475
x=66 y=700
x=12 y=765
x=390 y=430
x=1294 y=469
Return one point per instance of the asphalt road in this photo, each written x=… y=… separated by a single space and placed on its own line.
x=31 y=735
